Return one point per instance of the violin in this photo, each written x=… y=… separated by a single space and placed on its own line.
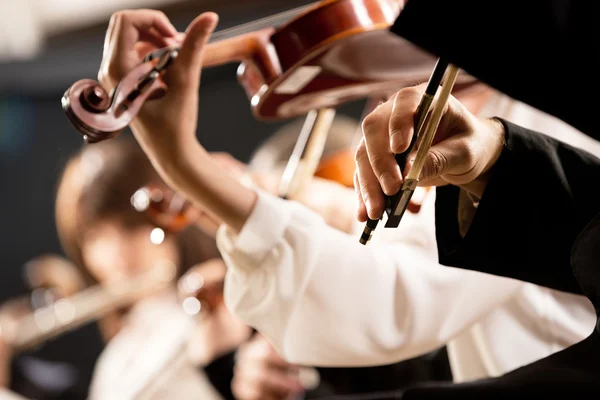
x=332 y=52
x=170 y=211
x=340 y=166
x=166 y=208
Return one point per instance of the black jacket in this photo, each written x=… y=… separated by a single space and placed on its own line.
x=538 y=218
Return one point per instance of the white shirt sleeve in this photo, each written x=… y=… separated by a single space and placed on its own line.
x=323 y=299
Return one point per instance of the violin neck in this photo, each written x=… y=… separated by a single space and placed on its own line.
x=236 y=49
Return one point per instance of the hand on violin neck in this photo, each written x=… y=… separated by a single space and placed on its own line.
x=130 y=34
x=463 y=150
x=166 y=127
x=168 y=123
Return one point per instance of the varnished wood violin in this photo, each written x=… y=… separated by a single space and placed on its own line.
x=331 y=53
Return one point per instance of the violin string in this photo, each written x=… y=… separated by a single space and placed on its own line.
x=272 y=20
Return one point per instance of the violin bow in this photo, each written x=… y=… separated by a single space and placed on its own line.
x=304 y=161
x=396 y=205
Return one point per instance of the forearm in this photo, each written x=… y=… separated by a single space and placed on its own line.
x=192 y=171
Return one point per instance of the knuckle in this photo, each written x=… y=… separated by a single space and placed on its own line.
x=467 y=153
x=370 y=124
x=439 y=162
x=360 y=153
x=407 y=99
x=410 y=93
x=377 y=161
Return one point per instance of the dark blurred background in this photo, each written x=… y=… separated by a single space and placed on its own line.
x=39 y=59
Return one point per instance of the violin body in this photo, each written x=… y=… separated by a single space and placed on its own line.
x=165 y=207
x=340 y=166
x=317 y=60
x=335 y=52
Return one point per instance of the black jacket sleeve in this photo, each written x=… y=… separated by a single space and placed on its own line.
x=541 y=52
x=540 y=195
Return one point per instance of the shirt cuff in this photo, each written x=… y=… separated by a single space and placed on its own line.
x=262 y=231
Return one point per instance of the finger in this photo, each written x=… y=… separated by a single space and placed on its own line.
x=368 y=184
x=151 y=36
x=402 y=119
x=143 y=48
x=137 y=22
x=107 y=54
x=188 y=64
x=361 y=212
x=125 y=29
x=445 y=158
x=113 y=24
x=377 y=141
x=454 y=119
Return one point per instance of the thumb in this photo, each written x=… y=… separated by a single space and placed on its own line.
x=188 y=64
x=441 y=159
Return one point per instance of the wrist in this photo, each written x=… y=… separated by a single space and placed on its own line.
x=494 y=131
x=193 y=172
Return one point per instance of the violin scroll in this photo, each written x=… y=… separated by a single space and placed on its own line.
x=98 y=115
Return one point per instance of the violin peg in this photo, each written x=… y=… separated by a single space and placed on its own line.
x=95 y=99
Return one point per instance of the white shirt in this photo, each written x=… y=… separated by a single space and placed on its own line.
x=325 y=300
x=149 y=357
x=6 y=394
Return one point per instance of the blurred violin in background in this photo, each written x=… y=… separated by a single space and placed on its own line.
x=340 y=166
x=200 y=289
